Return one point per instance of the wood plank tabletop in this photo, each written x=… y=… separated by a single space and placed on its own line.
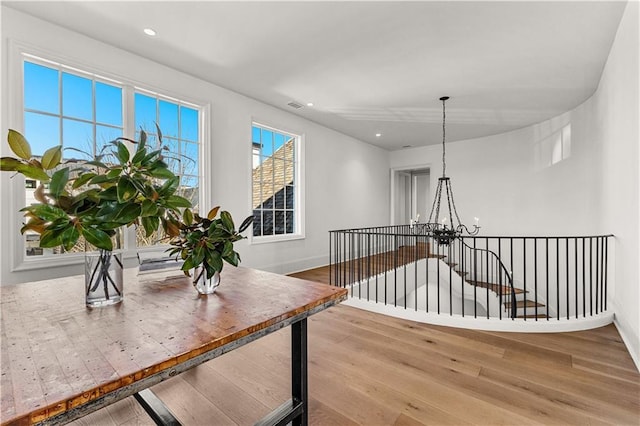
x=56 y=354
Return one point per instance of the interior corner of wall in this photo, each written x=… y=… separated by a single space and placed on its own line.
x=629 y=336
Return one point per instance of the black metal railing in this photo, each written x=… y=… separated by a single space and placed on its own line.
x=533 y=278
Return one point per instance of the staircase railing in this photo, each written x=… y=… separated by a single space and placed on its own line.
x=481 y=267
x=534 y=278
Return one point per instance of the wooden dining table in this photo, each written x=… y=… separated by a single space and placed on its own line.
x=61 y=360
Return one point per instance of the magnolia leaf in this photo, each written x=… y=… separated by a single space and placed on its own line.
x=38 y=194
x=9 y=164
x=114 y=173
x=228 y=249
x=69 y=237
x=19 y=145
x=139 y=155
x=160 y=171
x=127 y=213
x=150 y=224
x=82 y=179
x=171 y=228
x=187 y=216
x=34 y=224
x=58 y=182
x=110 y=194
x=232 y=258
x=149 y=208
x=159 y=132
x=245 y=224
x=98 y=238
x=170 y=186
x=213 y=213
x=176 y=201
x=32 y=172
x=51 y=238
x=51 y=157
x=45 y=211
x=227 y=221
x=126 y=190
x=123 y=152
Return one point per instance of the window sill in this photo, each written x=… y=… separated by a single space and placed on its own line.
x=275 y=238
x=37 y=262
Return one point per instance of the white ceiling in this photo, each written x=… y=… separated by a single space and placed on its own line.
x=372 y=67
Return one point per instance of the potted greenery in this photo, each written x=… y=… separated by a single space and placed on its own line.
x=204 y=244
x=94 y=199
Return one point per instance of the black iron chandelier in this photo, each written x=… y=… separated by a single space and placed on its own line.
x=445 y=232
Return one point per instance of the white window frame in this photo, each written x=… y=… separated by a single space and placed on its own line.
x=18 y=53
x=299 y=233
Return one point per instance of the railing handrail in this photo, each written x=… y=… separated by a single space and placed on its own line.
x=514 y=308
x=422 y=225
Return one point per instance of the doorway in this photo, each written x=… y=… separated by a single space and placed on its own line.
x=411 y=195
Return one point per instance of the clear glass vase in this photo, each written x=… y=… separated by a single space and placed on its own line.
x=203 y=284
x=103 y=275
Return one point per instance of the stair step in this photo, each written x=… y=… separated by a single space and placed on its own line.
x=451 y=264
x=544 y=316
x=460 y=272
x=524 y=304
x=496 y=287
x=437 y=256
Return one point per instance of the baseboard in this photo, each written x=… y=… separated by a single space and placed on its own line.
x=298 y=265
x=627 y=339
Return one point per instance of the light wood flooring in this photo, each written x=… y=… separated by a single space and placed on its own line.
x=369 y=369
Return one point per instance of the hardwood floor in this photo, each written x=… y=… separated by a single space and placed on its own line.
x=369 y=369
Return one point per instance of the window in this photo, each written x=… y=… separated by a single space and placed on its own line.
x=275 y=183
x=83 y=112
x=178 y=123
x=78 y=111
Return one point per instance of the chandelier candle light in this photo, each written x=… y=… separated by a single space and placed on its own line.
x=442 y=233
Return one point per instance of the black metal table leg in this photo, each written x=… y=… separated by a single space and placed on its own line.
x=156 y=408
x=295 y=410
x=299 y=382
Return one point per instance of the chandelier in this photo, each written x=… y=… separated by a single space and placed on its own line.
x=447 y=230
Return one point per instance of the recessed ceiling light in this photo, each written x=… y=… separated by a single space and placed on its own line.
x=378 y=135
x=150 y=32
x=309 y=104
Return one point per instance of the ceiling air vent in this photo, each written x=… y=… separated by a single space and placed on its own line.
x=295 y=105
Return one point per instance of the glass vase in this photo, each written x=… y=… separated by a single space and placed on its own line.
x=103 y=275
x=203 y=284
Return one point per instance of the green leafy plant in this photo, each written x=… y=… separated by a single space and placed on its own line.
x=93 y=198
x=207 y=241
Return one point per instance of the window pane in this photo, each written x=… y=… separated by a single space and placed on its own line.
x=257 y=223
x=190 y=158
x=290 y=222
x=279 y=199
x=267 y=222
x=189 y=190
x=168 y=121
x=145 y=113
x=42 y=132
x=267 y=142
x=108 y=104
x=172 y=157
x=279 y=222
x=278 y=144
x=290 y=197
x=255 y=135
x=41 y=89
x=104 y=135
x=77 y=97
x=188 y=124
x=78 y=135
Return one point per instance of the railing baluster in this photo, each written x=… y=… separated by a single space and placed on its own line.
x=535 y=276
x=524 y=276
x=575 y=242
x=558 y=278
x=566 y=244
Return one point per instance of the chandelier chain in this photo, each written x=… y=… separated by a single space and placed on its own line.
x=444 y=116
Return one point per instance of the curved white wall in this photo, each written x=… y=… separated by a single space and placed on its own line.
x=507 y=181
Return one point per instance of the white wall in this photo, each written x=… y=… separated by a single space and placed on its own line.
x=506 y=179
x=345 y=178
x=616 y=116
